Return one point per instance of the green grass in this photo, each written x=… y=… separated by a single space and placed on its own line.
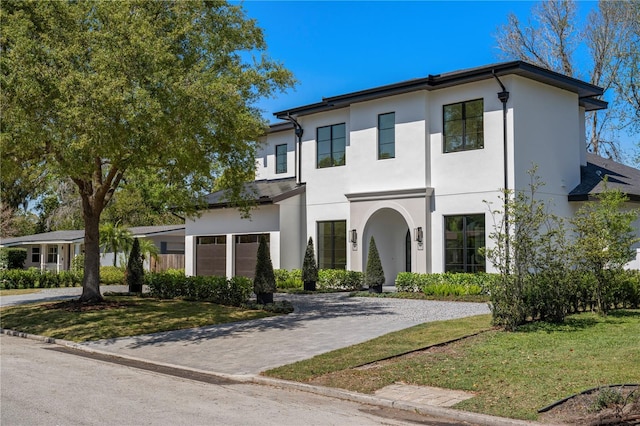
x=119 y=317
x=512 y=374
x=385 y=346
x=477 y=298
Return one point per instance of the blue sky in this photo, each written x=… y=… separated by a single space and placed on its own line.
x=337 y=47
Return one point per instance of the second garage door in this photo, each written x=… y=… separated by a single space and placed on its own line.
x=246 y=253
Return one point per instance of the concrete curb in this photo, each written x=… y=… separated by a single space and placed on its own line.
x=432 y=410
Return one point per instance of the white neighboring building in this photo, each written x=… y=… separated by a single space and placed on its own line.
x=412 y=165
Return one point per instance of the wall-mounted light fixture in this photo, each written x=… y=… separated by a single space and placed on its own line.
x=418 y=234
x=353 y=236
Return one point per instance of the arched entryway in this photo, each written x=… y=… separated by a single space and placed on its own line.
x=393 y=240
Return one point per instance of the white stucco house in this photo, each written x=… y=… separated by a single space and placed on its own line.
x=411 y=164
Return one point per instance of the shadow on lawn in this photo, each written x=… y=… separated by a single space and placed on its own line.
x=581 y=322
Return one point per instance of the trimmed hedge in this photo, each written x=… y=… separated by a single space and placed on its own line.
x=328 y=279
x=220 y=290
x=11 y=279
x=447 y=284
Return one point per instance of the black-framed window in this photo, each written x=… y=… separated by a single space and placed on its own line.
x=35 y=255
x=281 y=158
x=52 y=254
x=464 y=236
x=387 y=135
x=330 y=147
x=463 y=126
x=332 y=244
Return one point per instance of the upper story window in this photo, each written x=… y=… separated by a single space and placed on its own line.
x=462 y=123
x=281 y=158
x=331 y=146
x=387 y=135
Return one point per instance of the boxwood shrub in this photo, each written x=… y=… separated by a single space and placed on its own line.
x=447 y=284
x=340 y=279
x=220 y=290
x=11 y=279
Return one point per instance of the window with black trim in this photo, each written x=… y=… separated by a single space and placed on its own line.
x=387 y=135
x=331 y=143
x=35 y=255
x=464 y=236
x=332 y=244
x=281 y=158
x=463 y=126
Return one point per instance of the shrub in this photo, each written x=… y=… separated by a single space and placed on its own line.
x=288 y=279
x=12 y=258
x=77 y=263
x=220 y=290
x=340 y=280
x=135 y=268
x=111 y=275
x=33 y=278
x=309 y=267
x=264 y=281
x=447 y=284
x=374 y=275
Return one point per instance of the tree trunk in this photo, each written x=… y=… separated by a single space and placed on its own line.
x=91 y=280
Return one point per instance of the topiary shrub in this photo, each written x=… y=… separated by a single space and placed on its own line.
x=135 y=268
x=374 y=274
x=309 y=268
x=264 y=282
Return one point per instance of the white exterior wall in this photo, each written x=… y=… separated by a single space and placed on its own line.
x=266 y=160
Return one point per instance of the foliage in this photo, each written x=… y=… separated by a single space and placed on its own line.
x=610 y=37
x=33 y=278
x=148 y=249
x=530 y=252
x=309 y=266
x=449 y=282
x=374 y=274
x=604 y=240
x=340 y=280
x=135 y=269
x=174 y=284
x=264 y=281
x=288 y=279
x=99 y=91
x=112 y=275
x=115 y=238
x=77 y=263
x=12 y=258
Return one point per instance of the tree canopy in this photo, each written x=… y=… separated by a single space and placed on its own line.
x=94 y=91
x=610 y=37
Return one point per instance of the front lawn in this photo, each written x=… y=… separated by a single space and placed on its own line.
x=118 y=317
x=512 y=374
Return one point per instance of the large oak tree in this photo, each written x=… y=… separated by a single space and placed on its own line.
x=94 y=90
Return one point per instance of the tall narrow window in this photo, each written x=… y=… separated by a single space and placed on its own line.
x=52 y=254
x=332 y=244
x=331 y=144
x=35 y=255
x=464 y=236
x=281 y=158
x=387 y=135
x=463 y=128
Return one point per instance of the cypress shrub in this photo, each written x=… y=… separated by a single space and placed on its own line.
x=374 y=275
x=309 y=267
x=264 y=283
x=135 y=269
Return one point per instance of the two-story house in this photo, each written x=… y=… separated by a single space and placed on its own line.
x=413 y=165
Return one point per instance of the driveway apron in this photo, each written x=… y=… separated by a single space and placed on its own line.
x=320 y=323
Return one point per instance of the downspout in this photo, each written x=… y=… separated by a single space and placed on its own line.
x=504 y=97
x=299 y=131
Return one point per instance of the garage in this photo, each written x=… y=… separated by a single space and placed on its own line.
x=246 y=253
x=211 y=256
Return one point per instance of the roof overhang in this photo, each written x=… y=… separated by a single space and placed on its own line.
x=585 y=91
